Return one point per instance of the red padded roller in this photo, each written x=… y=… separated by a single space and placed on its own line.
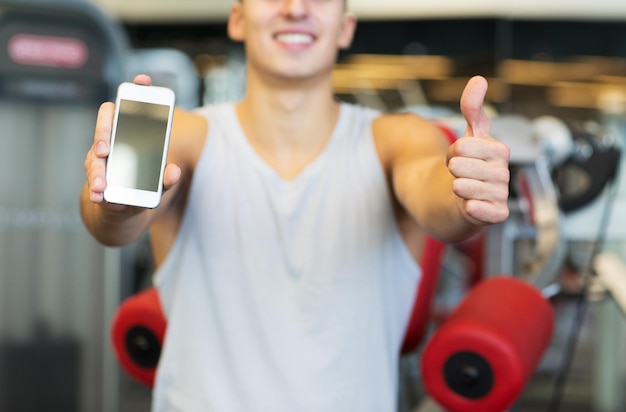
x=420 y=315
x=430 y=264
x=447 y=131
x=474 y=249
x=481 y=358
x=137 y=333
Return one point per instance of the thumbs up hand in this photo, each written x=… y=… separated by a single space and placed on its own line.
x=479 y=163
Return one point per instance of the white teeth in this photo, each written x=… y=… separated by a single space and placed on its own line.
x=295 y=38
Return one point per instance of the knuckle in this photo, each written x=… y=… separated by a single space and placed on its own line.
x=103 y=129
x=504 y=151
x=462 y=145
x=453 y=165
x=503 y=175
x=458 y=187
x=507 y=149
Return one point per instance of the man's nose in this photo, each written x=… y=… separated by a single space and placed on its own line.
x=295 y=8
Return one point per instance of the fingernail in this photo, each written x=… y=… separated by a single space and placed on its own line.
x=101 y=148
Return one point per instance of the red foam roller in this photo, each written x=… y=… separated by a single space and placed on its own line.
x=137 y=334
x=432 y=257
x=448 y=132
x=474 y=249
x=481 y=358
x=430 y=263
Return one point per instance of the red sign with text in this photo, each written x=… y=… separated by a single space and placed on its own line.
x=48 y=51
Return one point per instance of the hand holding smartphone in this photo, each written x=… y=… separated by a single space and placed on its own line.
x=139 y=142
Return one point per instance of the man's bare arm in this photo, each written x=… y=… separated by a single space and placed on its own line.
x=450 y=190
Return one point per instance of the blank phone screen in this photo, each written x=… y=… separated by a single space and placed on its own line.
x=136 y=156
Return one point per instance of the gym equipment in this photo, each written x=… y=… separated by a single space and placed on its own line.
x=555 y=138
x=169 y=68
x=584 y=174
x=486 y=350
x=492 y=312
x=611 y=271
x=481 y=358
x=421 y=312
x=530 y=242
x=137 y=334
x=138 y=326
x=432 y=258
x=59 y=60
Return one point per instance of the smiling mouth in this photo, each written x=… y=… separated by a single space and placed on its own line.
x=295 y=38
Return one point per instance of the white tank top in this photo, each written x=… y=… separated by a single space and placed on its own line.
x=285 y=296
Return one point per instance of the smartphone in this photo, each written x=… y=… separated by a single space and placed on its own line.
x=139 y=143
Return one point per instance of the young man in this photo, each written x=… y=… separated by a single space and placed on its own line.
x=287 y=238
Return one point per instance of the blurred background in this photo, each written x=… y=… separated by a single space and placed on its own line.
x=557 y=75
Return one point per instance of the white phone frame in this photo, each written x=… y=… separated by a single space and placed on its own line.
x=147 y=94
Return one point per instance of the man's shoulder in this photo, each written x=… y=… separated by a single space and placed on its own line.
x=400 y=124
x=189 y=124
x=189 y=133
